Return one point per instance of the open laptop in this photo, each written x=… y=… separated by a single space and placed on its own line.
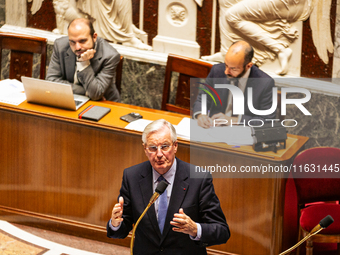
x=54 y=94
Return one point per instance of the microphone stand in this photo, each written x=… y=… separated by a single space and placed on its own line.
x=139 y=219
x=302 y=240
x=324 y=223
x=159 y=190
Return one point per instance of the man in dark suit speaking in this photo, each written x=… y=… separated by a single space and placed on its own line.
x=185 y=219
x=240 y=71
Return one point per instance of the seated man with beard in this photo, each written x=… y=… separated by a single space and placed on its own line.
x=86 y=62
x=237 y=69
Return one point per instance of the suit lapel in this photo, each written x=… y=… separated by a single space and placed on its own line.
x=95 y=61
x=224 y=93
x=145 y=185
x=251 y=82
x=70 y=65
x=179 y=191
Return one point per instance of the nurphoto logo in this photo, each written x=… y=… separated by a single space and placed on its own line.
x=238 y=104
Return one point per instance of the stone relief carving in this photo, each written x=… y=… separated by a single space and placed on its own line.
x=112 y=19
x=65 y=11
x=35 y=5
x=199 y=2
x=177 y=14
x=267 y=25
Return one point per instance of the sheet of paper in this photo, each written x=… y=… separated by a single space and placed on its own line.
x=189 y=129
x=183 y=128
x=236 y=135
x=12 y=92
x=138 y=125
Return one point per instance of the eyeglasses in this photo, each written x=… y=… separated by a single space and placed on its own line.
x=163 y=147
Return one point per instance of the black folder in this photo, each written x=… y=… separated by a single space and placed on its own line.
x=94 y=112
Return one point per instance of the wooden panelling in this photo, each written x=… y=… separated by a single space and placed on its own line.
x=64 y=174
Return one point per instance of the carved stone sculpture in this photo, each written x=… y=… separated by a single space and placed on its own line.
x=267 y=25
x=35 y=5
x=112 y=19
x=177 y=14
x=65 y=11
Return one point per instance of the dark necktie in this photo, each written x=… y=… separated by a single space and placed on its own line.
x=162 y=207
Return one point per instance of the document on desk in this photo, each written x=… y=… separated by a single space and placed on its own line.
x=235 y=135
x=12 y=92
x=182 y=129
x=188 y=129
x=138 y=125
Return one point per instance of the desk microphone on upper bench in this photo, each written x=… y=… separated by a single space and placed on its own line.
x=324 y=223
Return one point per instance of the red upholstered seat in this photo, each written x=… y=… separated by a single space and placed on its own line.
x=316 y=178
x=311 y=215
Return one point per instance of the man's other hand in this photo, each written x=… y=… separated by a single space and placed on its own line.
x=117 y=212
x=87 y=55
x=204 y=121
x=184 y=224
x=220 y=119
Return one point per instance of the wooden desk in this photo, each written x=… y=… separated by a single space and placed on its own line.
x=62 y=173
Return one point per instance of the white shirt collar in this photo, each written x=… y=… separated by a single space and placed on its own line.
x=242 y=82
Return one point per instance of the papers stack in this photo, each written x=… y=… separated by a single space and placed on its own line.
x=235 y=135
x=188 y=129
x=182 y=129
x=12 y=92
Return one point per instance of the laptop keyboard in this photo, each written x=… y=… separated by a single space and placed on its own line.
x=78 y=102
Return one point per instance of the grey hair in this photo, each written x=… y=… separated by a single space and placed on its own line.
x=157 y=125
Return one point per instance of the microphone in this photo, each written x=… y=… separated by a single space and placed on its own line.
x=158 y=191
x=161 y=187
x=324 y=223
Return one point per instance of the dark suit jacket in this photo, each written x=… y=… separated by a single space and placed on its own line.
x=195 y=195
x=261 y=83
x=98 y=79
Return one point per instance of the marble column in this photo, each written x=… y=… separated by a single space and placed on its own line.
x=2 y=12
x=16 y=12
